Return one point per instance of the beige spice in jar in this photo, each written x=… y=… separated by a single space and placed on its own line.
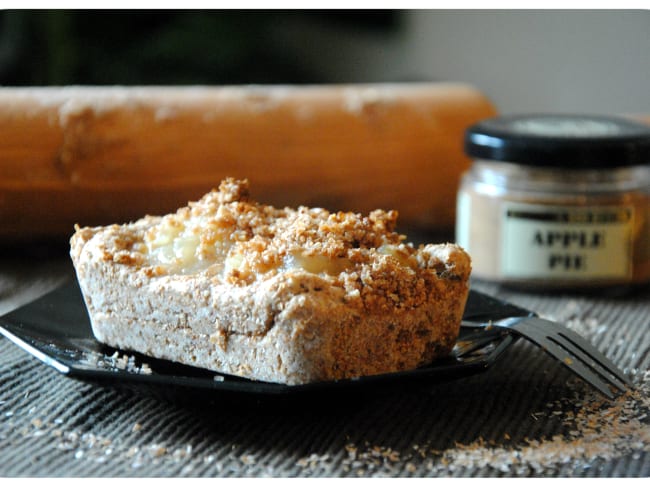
x=568 y=216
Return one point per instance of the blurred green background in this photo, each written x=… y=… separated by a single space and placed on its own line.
x=167 y=47
x=565 y=60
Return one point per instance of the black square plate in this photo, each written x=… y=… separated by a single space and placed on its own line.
x=56 y=330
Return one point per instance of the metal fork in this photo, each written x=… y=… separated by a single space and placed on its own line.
x=572 y=350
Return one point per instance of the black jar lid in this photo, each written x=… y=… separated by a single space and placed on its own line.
x=560 y=140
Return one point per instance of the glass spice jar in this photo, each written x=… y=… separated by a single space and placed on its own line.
x=557 y=201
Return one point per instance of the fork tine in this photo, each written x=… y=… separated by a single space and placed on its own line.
x=581 y=348
x=585 y=359
x=578 y=367
x=596 y=355
x=565 y=341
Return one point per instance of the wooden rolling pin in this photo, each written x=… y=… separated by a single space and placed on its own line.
x=100 y=155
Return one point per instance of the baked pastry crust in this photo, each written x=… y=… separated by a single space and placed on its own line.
x=282 y=295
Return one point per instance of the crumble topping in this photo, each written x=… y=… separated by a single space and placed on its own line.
x=236 y=240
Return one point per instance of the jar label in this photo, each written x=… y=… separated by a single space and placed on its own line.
x=566 y=242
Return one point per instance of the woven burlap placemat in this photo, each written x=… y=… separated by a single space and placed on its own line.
x=525 y=416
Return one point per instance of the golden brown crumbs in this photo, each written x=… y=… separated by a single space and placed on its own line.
x=260 y=240
x=596 y=430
